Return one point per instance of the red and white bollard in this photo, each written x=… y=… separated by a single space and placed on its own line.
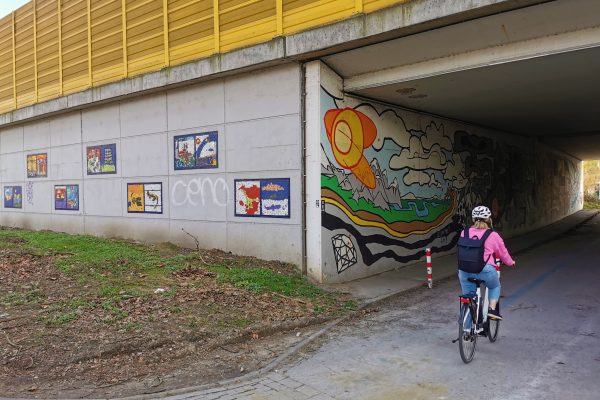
x=498 y=267
x=429 y=270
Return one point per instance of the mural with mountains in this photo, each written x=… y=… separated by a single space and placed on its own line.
x=394 y=182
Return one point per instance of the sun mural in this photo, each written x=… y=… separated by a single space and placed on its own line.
x=350 y=132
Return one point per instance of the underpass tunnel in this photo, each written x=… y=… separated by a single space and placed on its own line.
x=499 y=111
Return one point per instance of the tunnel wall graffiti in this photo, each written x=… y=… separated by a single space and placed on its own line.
x=394 y=182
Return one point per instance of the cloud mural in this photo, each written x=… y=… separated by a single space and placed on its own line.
x=420 y=178
x=435 y=136
x=418 y=159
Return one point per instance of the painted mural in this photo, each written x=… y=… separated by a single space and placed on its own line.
x=395 y=182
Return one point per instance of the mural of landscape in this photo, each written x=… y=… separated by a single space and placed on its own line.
x=395 y=182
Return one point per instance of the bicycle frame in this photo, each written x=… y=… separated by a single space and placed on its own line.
x=477 y=309
x=482 y=309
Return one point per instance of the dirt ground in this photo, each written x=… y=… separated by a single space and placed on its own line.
x=57 y=340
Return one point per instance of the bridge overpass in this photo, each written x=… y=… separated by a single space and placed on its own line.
x=342 y=136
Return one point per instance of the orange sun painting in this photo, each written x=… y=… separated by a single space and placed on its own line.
x=350 y=132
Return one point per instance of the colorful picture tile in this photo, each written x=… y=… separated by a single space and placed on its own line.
x=247 y=198
x=144 y=198
x=135 y=197
x=37 y=165
x=102 y=159
x=60 y=197
x=275 y=197
x=153 y=198
x=196 y=151
x=66 y=197
x=13 y=197
x=263 y=198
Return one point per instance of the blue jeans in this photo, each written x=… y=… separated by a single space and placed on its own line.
x=488 y=274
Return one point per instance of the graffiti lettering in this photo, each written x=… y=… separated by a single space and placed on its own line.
x=29 y=192
x=196 y=192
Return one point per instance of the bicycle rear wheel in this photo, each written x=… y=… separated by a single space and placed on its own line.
x=467 y=338
x=493 y=327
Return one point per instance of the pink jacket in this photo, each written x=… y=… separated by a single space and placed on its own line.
x=494 y=245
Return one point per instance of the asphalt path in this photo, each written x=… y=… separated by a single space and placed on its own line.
x=548 y=346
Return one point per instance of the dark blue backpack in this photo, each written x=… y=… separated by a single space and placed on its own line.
x=470 y=252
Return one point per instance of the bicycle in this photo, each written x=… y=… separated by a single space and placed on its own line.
x=474 y=322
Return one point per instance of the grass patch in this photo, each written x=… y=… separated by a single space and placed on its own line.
x=61 y=319
x=13 y=299
x=77 y=302
x=591 y=202
x=131 y=327
x=92 y=254
x=259 y=280
x=117 y=312
x=112 y=265
x=111 y=270
x=108 y=291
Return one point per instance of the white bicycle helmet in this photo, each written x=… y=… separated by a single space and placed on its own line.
x=481 y=212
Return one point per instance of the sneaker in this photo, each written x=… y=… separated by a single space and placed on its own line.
x=494 y=314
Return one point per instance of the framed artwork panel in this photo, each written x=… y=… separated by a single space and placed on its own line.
x=102 y=159
x=144 y=198
x=37 y=165
x=13 y=197
x=66 y=197
x=196 y=151
x=269 y=198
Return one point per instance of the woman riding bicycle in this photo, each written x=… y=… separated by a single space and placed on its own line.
x=493 y=247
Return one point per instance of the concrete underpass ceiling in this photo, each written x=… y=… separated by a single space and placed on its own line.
x=554 y=97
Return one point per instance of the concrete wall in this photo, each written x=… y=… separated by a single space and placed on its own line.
x=394 y=182
x=257 y=120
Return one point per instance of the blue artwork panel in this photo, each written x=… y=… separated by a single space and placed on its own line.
x=275 y=197
x=196 y=151
x=72 y=197
x=60 y=197
x=13 y=197
x=66 y=197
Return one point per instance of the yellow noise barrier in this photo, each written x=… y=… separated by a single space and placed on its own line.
x=51 y=48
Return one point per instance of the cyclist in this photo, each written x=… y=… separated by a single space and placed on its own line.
x=493 y=247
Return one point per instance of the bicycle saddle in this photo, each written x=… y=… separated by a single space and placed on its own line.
x=476 y=281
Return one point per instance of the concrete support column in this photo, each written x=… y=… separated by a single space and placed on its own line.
x=316 y=75
x=313 y=169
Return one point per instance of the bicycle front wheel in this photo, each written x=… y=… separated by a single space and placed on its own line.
x=467 y=338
